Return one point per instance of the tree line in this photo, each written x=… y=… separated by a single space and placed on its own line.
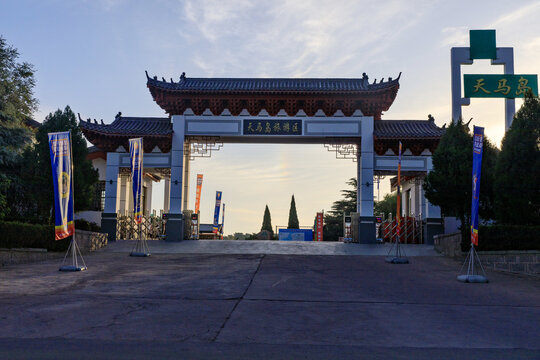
x=25 y=165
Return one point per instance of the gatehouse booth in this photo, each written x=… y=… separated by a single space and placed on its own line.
x=204 y=113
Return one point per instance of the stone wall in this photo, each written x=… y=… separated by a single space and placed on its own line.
x=448 y=244
x=90 y=241
x=86 y=240
x=521 y=262
x=24 y=256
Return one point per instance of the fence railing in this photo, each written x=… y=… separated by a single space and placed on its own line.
x=411 y=230
x=152 y=226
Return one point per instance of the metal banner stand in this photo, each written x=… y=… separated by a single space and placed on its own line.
x=473 y=274
x=399 y=256
x=141 y=246
x=74 y=249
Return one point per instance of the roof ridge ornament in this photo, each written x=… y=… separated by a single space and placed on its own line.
x=147 y=77
x=183 y=77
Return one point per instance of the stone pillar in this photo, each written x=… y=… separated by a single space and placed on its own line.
x=433 y=223
x=186 y=180
x=108 y=216
x=129 y=195
x=166 y=195
x=123 y=191
x=175 y=225
x=505 y=56
x=148 y=200
x=364 y=204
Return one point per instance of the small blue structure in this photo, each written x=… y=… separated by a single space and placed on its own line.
x=296 y=234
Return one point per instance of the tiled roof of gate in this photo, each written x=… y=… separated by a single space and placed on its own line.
x=407 y=129
x=271 y=85
x=137 y=126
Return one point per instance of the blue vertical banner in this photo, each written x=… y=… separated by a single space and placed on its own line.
x=216 y=212
x=62 y=171
x=478 y=143
x=223 y=219
x=136 y=155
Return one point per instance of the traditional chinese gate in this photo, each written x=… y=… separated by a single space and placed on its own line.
x=342 y=114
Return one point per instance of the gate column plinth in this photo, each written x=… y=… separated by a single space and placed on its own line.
x=366 y=222
x=175 y=222
x=108 y=216
x=433 y=223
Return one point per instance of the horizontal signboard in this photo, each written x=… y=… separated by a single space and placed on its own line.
x=272 y=127
x=499 y=86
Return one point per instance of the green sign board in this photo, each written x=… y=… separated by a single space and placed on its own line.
x=272 y=127
x=499 y=86
x=482 y=44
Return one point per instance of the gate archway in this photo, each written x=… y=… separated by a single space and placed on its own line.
x=344 y=114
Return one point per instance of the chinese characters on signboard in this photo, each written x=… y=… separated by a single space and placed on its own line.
x=500 y=86
x=272 y=127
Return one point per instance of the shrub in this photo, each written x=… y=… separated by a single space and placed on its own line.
x=20 y=235
x=82 y=224
x=505 y=237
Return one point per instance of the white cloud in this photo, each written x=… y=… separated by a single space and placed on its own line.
x=295 y=38
x=455 y=36
x=515 y=16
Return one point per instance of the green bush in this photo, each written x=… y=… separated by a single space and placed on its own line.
x=82 y=224
x=505 y=237
x=20 y=235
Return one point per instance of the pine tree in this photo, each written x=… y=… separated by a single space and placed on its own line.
x=333 y=219
x=267 y=221
x=37 y=169
x=17 y=104
x=449 y=184
x=293 y=216
x=517 y=184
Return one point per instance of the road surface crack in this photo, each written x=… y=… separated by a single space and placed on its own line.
x=240 y=298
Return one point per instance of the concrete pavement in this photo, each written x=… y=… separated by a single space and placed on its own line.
x=271 y=247
x=267 y=306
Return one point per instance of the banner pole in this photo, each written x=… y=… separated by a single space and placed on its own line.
x=473 y=275
x=397 y=258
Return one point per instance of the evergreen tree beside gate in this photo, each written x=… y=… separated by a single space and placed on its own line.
x=293 y=216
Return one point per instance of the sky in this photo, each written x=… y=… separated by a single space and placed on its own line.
x=91 y=55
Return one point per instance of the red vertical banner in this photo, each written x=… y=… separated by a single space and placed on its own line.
x=198 y=196
x=319 y=226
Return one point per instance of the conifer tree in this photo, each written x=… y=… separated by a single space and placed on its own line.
x=517 y=184
x=267 y=221
x=449 y=184
x=17 y=104
x=37 y=172
x=293 y=216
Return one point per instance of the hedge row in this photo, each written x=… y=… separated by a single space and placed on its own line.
x=20 y=235
x=505 y=237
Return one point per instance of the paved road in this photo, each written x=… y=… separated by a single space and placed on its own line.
x=264 y=306
x=272 y=247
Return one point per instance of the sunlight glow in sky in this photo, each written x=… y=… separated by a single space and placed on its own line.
x=92 y=55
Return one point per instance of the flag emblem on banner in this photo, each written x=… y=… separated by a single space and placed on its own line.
x=136 y=157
